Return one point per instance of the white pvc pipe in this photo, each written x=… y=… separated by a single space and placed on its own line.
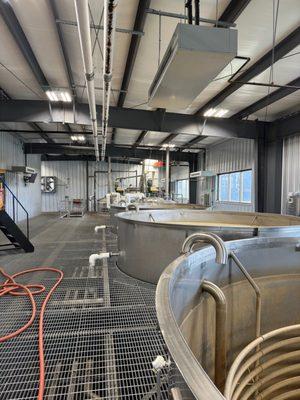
x=100 y=227
x=108 y=50
x=94 y=257
x=83 y=22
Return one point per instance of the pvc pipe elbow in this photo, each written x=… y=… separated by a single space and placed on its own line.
x=94 y=257
x=99 y=227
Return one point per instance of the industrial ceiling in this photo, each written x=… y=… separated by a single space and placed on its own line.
x=40 y=48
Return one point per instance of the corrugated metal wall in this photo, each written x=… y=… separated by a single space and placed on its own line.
x=229 y=156
x=71 y=180
x=291 y=168
x=11 y=153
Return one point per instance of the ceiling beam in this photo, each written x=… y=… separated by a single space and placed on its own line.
x=31 y=125
x=281 y=49
x=128 y=118
x=168 y=139
x=58 y=157
x=112 y=151
x=17 y=32
x=63 y=47
x=269 y=99
x=194 y=141
x=140 y=138
x=139 y=24
x=234 y=10
x=283 y=127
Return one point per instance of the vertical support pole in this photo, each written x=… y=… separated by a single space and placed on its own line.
x=109 y=176
x=260 y=174
x=167 y=187
x=95 y=200
x=87 y=184
x=193 y=183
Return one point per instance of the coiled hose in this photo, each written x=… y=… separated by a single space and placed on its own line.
x=11 y=287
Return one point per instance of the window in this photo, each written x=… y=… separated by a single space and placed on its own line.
x=182 y=190
x=235 y=186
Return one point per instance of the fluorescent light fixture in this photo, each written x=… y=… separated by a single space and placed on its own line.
x=215 y=112
x=63 y=96
x=209 y=112
x=59 y=95
x=168 y=145
x=78 y=138
x=68 y=97
x=51 y=95
x=220 y=113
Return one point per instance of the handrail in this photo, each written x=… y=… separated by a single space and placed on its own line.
x=20 y=204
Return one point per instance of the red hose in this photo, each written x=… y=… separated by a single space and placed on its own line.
x=11 y=287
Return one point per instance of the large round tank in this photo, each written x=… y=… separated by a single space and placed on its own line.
x=149 y=240
x=208 y=312
x=154 y=205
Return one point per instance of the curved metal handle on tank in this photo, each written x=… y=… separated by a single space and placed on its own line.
x=210 y=238
x=131 y=207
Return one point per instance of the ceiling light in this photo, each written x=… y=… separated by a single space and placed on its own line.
x=68 y=97
x=59 y=95
x=168 y=145
x=215 y=112
x=220 y=113
x=51 y=95
x=209 y=112
x=78 y=138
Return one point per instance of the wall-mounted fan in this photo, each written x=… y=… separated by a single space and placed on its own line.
x=48 y=184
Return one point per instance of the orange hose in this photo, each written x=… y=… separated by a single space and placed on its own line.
x=11 y=287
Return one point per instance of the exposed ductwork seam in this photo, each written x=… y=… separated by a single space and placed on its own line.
x=108 y=46
x=83 y=22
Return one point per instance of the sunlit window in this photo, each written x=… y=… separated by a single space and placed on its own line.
x=235 y=187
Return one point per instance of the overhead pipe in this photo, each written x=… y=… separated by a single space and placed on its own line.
x=108 y=50
x=83 y=22
x=210 y=238
x=167 y=188
x=197 y=12
x=189 y=7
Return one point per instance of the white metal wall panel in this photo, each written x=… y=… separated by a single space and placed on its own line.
x=290 y=168
x=229 y=156
x=71 y=180
x=11 y=153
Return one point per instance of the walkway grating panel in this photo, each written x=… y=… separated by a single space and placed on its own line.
x=100 y=328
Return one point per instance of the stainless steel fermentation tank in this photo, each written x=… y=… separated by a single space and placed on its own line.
x=117 y=208
x=208 y=312
x=149 y=240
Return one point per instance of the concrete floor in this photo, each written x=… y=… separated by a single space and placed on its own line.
x=101 y=332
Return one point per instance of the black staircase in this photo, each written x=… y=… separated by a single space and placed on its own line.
x=17 y=239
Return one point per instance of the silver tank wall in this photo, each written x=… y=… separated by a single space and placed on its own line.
x=187 y=316
x=146 y=247
x=116 y=209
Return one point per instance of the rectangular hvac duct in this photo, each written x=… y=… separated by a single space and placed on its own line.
x=194 y=57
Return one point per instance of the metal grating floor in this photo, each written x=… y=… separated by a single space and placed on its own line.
x=101 y=332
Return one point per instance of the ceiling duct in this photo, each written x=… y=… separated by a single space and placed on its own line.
x=194 y=57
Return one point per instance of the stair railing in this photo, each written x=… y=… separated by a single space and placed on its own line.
x=15 y=203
